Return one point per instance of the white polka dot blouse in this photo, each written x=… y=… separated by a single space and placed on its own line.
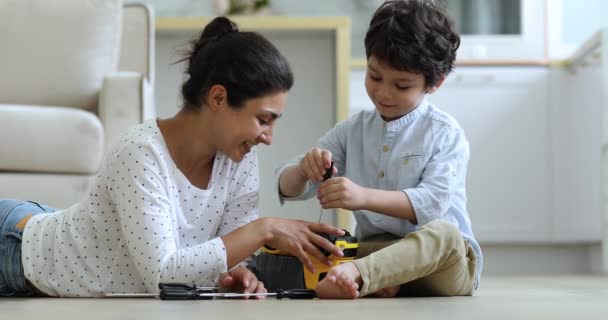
x=142 y=223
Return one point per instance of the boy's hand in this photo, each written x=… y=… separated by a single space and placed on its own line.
x=241 y=280
x=315 y=163
x=342 y=193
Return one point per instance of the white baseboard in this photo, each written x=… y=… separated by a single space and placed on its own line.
x=541 y=259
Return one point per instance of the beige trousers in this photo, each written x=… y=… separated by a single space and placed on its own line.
x=433 y=261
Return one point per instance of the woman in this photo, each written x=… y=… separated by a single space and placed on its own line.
x=176 y=200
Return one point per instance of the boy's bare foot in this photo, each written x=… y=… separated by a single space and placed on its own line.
x=341 y=282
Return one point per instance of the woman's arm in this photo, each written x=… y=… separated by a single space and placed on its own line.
x=138 y=190
x=295 y=237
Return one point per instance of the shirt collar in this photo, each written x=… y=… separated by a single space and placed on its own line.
x=397 y=124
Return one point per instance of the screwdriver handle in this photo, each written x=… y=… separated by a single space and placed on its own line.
x=328 y=172
x=177 y=295
x=183 y=295
x=176 y=286
x=296 y=294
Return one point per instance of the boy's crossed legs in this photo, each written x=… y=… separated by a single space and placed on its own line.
x=433 y=261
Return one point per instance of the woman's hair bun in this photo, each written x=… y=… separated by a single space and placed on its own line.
x=219 y=27
x=246 y=64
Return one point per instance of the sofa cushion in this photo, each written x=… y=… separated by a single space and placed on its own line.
x=57 y=52
x=49 y=139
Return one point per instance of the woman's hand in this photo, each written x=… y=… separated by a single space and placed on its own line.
x=342 y=193
x=315 y=163
x=300 y=238
x=241 y=280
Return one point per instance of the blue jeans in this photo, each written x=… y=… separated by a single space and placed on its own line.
x=13 y=217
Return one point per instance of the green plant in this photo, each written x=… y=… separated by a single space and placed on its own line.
x=244 y=6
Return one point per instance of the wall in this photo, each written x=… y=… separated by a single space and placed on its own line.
x=360 y=11
x=570 y=21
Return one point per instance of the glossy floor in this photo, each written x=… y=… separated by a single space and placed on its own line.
x=563 y=297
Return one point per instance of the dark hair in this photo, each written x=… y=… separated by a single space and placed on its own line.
x=245 y=63
x=414 y=35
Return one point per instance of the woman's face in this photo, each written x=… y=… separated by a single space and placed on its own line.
x=242 y=128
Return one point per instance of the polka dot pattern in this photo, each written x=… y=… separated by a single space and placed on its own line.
x=142 y=223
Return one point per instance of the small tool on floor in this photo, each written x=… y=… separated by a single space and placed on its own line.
x=181 y=291
x=172 y=288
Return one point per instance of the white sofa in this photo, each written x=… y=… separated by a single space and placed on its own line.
x=73 y=76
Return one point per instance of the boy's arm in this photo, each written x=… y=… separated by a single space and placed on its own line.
x=292 y=181
x=287 y=185
x=391 y=203
x=343 y=193
x=442 y=177
x=442 y=182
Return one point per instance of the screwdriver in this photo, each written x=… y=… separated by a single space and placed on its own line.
x=279 y=294
x=328 y=173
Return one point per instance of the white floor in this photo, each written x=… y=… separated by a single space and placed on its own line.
x=564 y=297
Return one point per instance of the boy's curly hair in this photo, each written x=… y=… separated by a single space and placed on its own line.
x=414 y=35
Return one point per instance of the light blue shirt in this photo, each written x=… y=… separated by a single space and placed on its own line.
x=424 y=153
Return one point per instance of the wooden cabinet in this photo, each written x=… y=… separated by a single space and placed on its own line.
x=578 y=114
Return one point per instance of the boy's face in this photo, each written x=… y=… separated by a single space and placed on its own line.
x=394 y=92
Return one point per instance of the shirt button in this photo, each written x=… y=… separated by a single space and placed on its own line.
x=385 y=148
x=381 y=174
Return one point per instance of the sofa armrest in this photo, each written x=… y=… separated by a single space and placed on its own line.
x=137 y=40
x=125 y=100
x=35 y=139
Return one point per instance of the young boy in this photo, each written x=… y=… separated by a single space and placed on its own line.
x=401 y=167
